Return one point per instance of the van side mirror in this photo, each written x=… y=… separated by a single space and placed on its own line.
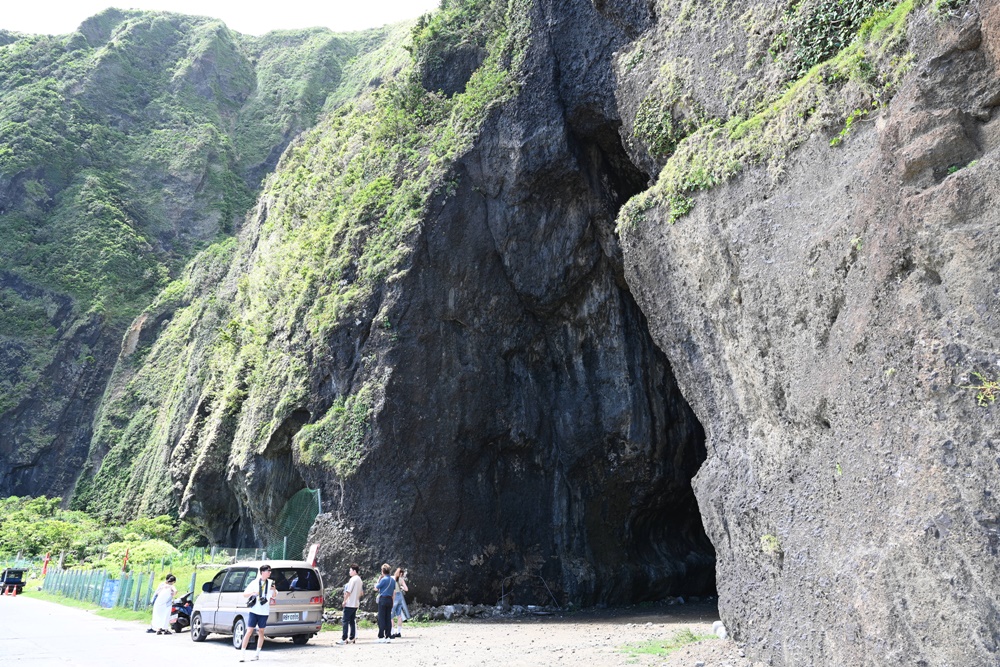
x=206 y=587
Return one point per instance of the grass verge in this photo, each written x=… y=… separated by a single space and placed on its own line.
x=662 y=647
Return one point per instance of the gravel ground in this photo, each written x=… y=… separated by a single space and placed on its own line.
x=598 y=637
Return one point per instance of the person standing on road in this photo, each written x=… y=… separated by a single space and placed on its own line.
x=262 y=593
x=386 y=586
x=162 y=601
x=352 y=600
x=400 y=612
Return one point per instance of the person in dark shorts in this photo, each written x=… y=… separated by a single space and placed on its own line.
x=386 y=586
x=264 y=593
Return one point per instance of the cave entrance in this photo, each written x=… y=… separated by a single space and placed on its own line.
x=668 y=550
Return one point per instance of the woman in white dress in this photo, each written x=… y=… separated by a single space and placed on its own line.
x=162 y=602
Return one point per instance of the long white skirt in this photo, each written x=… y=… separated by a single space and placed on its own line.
x=161 y=610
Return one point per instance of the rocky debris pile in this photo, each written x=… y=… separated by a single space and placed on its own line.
x=504 y=609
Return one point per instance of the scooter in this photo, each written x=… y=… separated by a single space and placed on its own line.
x=180 y=613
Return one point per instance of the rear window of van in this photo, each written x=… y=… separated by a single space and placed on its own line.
x=294 y=579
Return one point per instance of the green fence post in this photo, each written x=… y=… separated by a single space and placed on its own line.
x=194 y=582
x=138 y=592
x=284 y=549
x=149 y=592
x=101 y=577
x=122 y=590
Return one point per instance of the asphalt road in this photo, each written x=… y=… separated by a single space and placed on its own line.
x=33 y=632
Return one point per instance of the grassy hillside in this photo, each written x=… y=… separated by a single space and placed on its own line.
x=125 y=148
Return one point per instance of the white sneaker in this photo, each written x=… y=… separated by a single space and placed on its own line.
x=342 y=641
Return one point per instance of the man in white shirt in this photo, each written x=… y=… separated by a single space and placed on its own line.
x=264 y=593
x=352 y=600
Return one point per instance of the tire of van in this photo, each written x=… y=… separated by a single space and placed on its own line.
x=239 y=629
x=198 y=633
x=299 y=640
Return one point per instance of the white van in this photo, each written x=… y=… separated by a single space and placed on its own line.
x=297 y=611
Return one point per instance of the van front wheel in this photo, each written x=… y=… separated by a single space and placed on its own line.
x=198 y=633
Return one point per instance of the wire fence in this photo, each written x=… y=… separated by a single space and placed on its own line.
x=100 y=587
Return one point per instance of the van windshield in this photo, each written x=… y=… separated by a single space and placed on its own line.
x=294 y=579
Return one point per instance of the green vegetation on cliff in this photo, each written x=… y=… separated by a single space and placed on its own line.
x=125 y=148
x=846 y=58
x=335 y=226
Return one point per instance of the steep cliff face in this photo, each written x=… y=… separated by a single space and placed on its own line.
x=527 y=425
x=124 y=148
x=830 y=315
x=427 y=319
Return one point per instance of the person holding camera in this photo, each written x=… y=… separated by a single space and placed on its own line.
x=260 y=593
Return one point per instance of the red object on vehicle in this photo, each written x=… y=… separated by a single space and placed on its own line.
x=316 y=600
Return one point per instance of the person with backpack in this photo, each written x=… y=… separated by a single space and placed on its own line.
x=260 y=593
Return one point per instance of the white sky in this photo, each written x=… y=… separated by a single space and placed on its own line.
x=252 y=17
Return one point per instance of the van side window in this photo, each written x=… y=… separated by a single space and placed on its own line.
x=217 y=582
x=235 y=581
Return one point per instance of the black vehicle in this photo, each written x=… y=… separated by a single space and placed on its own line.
x=180 y=613
x=12 y=579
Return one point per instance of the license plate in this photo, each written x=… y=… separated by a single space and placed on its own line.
x=291 y=617
x=173 y=618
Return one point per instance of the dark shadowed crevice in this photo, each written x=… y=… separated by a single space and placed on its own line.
x=668 y=550
x=271 y=480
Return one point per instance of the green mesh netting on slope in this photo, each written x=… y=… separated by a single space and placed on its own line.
x=287 y=539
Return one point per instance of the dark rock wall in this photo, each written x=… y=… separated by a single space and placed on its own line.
x=825 y=329
x=529 y=424
x=71 y=391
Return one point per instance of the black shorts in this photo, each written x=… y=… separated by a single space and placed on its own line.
x=257 y=621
